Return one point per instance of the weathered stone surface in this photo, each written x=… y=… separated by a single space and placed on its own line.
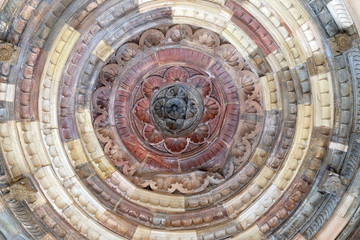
x=203 y=119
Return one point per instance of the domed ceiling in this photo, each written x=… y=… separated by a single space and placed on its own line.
x=175 y=119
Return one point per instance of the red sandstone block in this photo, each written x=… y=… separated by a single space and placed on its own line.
x=82 y=16
x=91 y=6
x=87 y=38
x=5 y=69
x=71 y=69
x=94 y=29
x=25 y=99
x=34 y=3
x=28 y=72
x=26 y=85
x=19 y=26
x=24 y=112
x=32 y=59
x=67 y=81
x=35 y=50
x=76 y=58
x=26 y=13
x=81 y=49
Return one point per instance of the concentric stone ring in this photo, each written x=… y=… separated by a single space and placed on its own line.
x=176 y=109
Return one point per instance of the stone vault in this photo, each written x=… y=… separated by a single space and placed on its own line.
x=180 y=119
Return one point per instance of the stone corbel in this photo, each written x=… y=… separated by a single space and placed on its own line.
x=20 y=191
x=340 y=43
x=8 y=53
x=340 y=13
x=333 y=184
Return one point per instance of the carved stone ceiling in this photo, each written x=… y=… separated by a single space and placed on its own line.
x=175 y=119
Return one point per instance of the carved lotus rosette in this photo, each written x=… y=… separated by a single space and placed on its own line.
x=171 y=110
x=176 y=111
x=6 y=51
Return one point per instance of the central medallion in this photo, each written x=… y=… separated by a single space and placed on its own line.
x=176 y=109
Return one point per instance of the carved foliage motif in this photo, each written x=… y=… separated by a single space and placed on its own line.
x=177 y=116
x=6 y=51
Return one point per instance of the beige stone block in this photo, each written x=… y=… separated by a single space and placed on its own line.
x=344 y=205
x=313 y=44
x=323 y=103
x=274 y=62
x=75 y=152
x=242 y=200
x=291 y=166
x=286 y=51
x=340 y=13
x=332 y=228
x=52 y=189
x=88 y=226
x=103 y=51
x=338 y=146
x=252 y=233
x=354 y=8
x=239 y=39
x=40 y=201
x=120 y=184
x=258 y=158
x=11 y=149
x=297 y=51
x=32 y=144
x=2 y=3
x=264 y=176
x=49 y=236
x=142 y=233
x=201 y=13
x=158 y=202
x=299 y=237
x=173 y=235
x=7 y=92
x=296 y=9
x=305 y=45
x=259 y=207
x=87 y=134
x=74 y=214
x=269 y=19
x=2 y=204
x=84 y=199
x=304 y=123
x=92 y=147
x=148 y=5
x=53 y=69
x=284 y=13
x=266 y=93
x=10 y=93
x=57 y=154
x=271 y=97
x=64 y=48
x=103 y=168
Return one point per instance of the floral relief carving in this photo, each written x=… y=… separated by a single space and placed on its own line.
x=151 y=38
x=173 y=118
x=6 y=51
x=182 y=183
x=179 y=32
x=207 y=38
x=171 y=110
